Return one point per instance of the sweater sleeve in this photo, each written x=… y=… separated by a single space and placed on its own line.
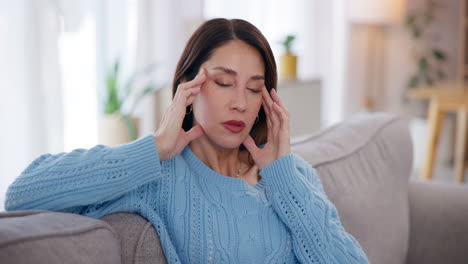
x=70 y=181
x=298 y=198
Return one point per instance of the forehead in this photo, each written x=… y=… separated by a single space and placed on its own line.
x=238 y=56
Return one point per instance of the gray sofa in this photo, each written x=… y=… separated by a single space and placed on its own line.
x=364 y=164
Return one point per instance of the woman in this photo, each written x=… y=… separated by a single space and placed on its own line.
x=211 y=193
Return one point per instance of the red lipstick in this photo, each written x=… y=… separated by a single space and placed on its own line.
x=234 y=126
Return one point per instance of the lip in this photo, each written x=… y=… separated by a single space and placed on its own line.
x=234 y=126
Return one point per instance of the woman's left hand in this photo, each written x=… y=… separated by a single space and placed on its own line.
x=278 y=142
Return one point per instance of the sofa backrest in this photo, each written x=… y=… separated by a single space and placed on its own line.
x=364 y=164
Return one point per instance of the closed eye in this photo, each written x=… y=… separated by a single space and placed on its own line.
x=255 y=91
x=223 y=84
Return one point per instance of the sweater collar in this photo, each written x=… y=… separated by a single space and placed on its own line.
x=205 y=172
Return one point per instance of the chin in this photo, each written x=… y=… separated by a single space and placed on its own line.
x=231 y=142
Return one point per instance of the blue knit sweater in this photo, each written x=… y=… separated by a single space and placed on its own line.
x=200 y=216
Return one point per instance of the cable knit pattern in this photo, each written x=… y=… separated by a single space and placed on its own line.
x=199 y=215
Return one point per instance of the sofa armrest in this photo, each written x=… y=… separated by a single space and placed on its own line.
x=139 y=242
x=438 y=223
x=55 y=238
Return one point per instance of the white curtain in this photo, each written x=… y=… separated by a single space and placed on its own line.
x=30 y=109
x=163 y=29
x=32 y=103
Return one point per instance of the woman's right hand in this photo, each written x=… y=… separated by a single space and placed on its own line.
x=171 y=138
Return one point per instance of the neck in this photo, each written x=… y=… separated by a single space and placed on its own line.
x=222 y=160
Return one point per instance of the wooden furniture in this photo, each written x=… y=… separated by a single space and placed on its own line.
x=445 y=98
x=449 y=97
x=462 y=73
x=303 y=100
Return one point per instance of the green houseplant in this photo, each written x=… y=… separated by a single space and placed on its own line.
x=429 y=59
x=287 y=43
x=121 y=98
x=288 y=61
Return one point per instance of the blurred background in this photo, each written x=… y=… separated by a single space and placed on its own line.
x=74 y=74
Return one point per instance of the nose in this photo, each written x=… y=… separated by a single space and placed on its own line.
x=239 y=100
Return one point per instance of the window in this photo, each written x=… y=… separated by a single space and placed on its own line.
x=94 y=35
x=78 y=67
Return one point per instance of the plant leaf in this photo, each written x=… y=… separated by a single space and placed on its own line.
x=438 y=54
x=112 y=102
x=149 y=89
x=117 y=99
x=116 y=67
x=136 y=75
x=440 y=74
x=429 y=81
x=416 y=33
x=287 y=43
x=131 y=129
x=410 y=20
x=423 y=64
x=413 y=82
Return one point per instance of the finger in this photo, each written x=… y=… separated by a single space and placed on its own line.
x=197 y=81
x=183 y=95
x=275 y=123
x=267 y=97
x=284 y=119
x=250 y=145
x=266 y=107
x=191 y=95
x=268 y=121
x=269 y=102
x=267 y=111
x=174 y=117
x=267 y=114
x=277 y=99
x=194 y=132
x=201 y=75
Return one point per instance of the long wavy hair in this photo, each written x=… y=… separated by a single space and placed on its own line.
x=211 y=35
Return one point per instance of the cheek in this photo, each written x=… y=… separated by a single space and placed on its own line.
x=257 y=104
x=206 y=106
x=209 y=98
x=254 y=109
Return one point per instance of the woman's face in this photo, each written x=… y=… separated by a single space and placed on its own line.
x=231 y=97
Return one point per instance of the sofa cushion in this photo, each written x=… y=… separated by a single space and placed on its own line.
x=53 y=238
x=364 y=164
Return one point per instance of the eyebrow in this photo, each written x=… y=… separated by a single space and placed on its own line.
x=234 y=73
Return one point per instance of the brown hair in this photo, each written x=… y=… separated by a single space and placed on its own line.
x=211 y=35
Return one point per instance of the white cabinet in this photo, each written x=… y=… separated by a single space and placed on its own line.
x=302 y=98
